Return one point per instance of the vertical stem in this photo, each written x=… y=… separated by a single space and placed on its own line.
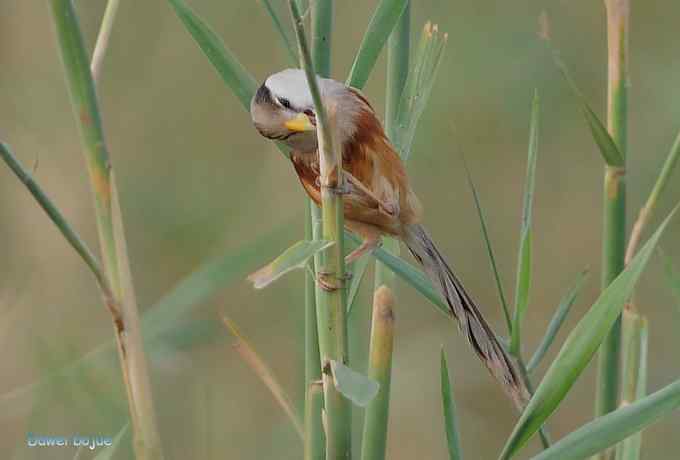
x=380 y=370
x=614 y=228
x=312 y=362
x=634 y=376
x=314 y=448
x=109 y=226
x=398 y=52
x=322 y=27
x=332 y=327
x=380 y=355
x=103 y=38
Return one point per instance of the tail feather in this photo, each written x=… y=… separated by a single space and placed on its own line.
x=470 y=320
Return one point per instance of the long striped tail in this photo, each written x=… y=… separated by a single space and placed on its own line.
x=470 y=321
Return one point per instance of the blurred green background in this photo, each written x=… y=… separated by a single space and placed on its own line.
x=198 y=182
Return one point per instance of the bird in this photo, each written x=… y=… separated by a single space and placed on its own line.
x=377 y=196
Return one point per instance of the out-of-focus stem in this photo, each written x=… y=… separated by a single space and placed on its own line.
x=614 y=226
x=103 y=38
x=111 y=236
x=379 y=369
x=648 y=209
x=634 y=378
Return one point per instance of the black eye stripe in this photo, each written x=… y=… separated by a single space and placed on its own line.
x=285 y=103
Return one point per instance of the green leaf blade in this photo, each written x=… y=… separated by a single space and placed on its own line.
x=229 y=68
x=352 y=385
x=579 y=348
x=295 y=257
x=417 y=89
x=450 y=422
x=610 y=429
x=608 y=148
x=523 y=284
x=379 y=29
x=557 y=320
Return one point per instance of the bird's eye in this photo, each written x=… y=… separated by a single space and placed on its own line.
x=285 y=103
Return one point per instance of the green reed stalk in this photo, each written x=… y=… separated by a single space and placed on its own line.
x=614 y=228
x=109 y=225
x=398 y=52
x=332 y=327
x=380 y=355
x=322 y=27
x=374 y=443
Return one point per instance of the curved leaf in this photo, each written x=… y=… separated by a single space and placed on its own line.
x=579 y=348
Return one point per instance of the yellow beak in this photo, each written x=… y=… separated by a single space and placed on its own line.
x=300 y=124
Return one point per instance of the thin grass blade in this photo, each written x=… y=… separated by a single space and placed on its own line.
x=610 y=429
x=276 y=21
x=358 y=272
x=295 y=257
x=523 y=285
x=236 y=77
x=55 y=216
x=379 y=29
x=649 y=207
x=557 y=320
x=580 y=347
x=489 y=248
x=262 y=370
x=608 y=149
x=448 y=403
x=411 y=275
x=109 y=452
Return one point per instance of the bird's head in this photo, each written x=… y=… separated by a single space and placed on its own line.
x=282 y=109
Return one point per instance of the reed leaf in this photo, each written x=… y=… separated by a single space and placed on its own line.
x=380 y=27
x=418 y=87
x=295 y=257
x=557 y=320
x=579 y=348
x=236 y=77
x=448 y=403
x=411 y=275
x=352 y=385
x=606 y=431
x=523 y=285
x=608 y=148
x=264 y=373
x=489 y=248
x=358 y=272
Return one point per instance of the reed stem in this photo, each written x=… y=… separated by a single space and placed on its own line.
x=111 y=236
x=374 y=442
x=332 y=327
x=614 y=226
